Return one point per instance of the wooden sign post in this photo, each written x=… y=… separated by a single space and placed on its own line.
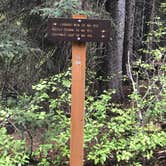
x=78 y=97
x=79 y=30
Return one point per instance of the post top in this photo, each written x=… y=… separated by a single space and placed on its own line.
x=79 y=16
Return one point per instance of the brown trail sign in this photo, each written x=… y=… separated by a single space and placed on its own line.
x=79 y=30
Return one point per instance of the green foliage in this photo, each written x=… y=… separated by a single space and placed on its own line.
x=48 y=108
x=149 y=94
x=60 y=9
x=121 y=134
x=12 y=152
x=121 y=138
x=111 y=133
x=163 y=7
x=17 y=51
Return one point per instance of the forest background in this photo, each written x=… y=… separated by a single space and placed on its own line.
x=125 y=119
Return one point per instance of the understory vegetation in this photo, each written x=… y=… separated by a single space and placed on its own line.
x=35 y=115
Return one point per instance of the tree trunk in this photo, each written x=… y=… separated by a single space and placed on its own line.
x=138 y=27
x=115 y=48
x=144 y=13
x=149 y=15
x=129 y=33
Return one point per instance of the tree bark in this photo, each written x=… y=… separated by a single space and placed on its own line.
x=115 y=48
x=144 y=13
x=138 y=27
x=129 y=33
x=149 y=15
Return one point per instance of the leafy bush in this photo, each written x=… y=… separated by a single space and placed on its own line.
x=60 y=9
x=113 y=133
x=120 y=137
x=12 y=152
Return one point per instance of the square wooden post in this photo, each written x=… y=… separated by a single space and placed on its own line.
x=78 y=99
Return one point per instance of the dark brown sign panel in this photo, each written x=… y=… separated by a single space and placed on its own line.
x=82 y=30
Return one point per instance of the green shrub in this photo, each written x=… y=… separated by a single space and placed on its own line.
x=112 y=133
x=60 y=9
x=12 y=152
